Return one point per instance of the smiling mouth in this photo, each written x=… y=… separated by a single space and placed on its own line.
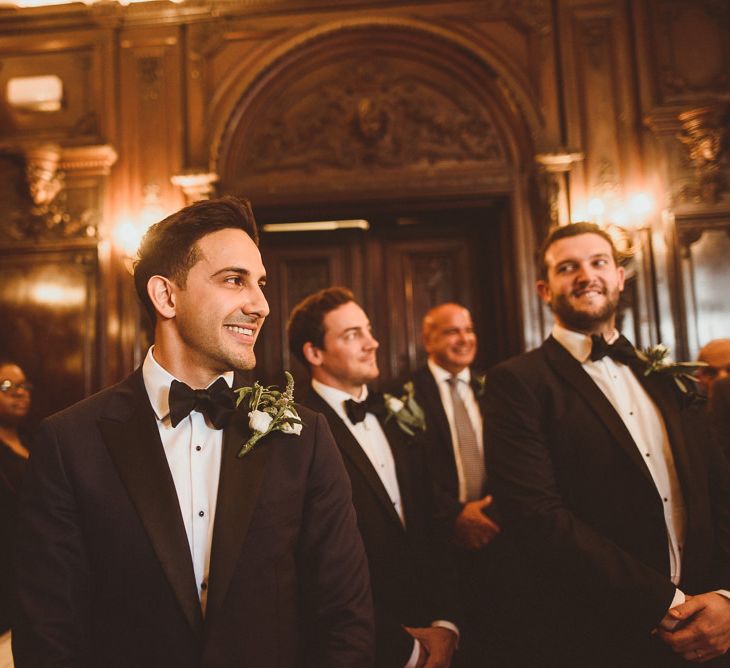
x=246 y=331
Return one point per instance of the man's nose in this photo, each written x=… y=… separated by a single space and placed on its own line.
x=256 y=305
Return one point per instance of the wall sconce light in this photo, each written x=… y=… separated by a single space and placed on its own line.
x=37 y=94
x=129 y=231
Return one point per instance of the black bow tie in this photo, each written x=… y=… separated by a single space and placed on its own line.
x=356 y=410
x=217 y=402
x=620 y=350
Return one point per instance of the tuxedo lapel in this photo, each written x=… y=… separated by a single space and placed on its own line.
x=238 y=490
x=570 y=370
x=351 y=449
x=434 y=408
x=129 y=430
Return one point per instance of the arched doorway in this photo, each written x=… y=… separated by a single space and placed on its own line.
x=410 y=129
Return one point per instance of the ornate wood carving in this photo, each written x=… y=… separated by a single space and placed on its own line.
x=51 y=172
x=196 y=185
x=705 y=135
x=372 y=115
x=684 y=69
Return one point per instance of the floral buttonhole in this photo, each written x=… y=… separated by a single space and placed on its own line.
x=269 y=409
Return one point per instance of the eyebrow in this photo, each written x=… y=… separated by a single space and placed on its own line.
x=241 y=271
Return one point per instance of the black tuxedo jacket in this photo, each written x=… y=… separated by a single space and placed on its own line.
x=105 y=575
x=437 y=438
x=579 y=499
x=411 y=580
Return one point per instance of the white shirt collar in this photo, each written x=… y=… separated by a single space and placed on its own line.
x=157 y=383
x=576 y=343
x=442 y=375
x=336 y=398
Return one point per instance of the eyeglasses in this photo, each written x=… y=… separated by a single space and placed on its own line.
x=9 y=387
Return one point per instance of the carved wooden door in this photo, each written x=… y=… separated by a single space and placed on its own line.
x=398 y=269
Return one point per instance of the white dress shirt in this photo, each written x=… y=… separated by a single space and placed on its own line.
x=372 y=439
x=645 y=423
x=193 y=451
x=441 y=376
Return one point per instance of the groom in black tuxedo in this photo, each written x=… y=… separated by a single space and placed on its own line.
x=144 y=540
x=608 y=484
x=412 y=587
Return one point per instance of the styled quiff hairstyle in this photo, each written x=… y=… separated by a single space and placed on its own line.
x=306 y=321
x=573 y=230
x=169 y=248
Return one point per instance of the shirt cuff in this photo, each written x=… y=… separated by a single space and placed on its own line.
x=445 y=624
x=723 y=592
x=415 y=655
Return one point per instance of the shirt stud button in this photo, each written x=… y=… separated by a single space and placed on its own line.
x=198 y=448
x=201 y=513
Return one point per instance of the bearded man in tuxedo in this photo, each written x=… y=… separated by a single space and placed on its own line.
x=411 y=581
x=608 y=483
x=144 y=540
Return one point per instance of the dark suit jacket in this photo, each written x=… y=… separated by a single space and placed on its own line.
x=578 y=498
x=411 y=582
x=104 y=568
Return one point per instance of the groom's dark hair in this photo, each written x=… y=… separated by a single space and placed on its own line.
x=170 y=248
x=306 y=321
x=573 y=230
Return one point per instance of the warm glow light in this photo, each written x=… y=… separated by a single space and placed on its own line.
x=128 y=234
x=641 y=205
x=596 y=208
x=42 y=3
x=57 y=295
x=41 y=93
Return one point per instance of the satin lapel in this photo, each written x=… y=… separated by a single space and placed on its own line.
x=238 y=491
x=351 y=449
x=568 y=368
x=129 y=430
x=435 y=407
x=399 y=446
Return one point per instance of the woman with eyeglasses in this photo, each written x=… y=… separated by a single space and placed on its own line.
x=14 y=407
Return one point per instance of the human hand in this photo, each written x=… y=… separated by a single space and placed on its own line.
x=704 y=627
x=439 y=644
x=473 y=529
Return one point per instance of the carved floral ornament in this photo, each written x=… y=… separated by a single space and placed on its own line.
x=47 y=169
x=372 y=115
x=705 y=136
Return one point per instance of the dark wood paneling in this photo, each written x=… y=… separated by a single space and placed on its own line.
x=48 y=302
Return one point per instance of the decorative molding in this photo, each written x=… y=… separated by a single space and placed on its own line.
x=149 y=71
x=704 y=134
x=554 y=187
x=372 y=115
x=48 y=170
x=196 y=185
x=595 y=36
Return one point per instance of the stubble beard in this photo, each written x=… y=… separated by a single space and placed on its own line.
x=586 y=321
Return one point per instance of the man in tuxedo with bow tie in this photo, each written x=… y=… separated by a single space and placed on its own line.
x=608 y=484
x=414 y=609
x=144 y=540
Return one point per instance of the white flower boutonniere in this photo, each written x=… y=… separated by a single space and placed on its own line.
x=657 y=360
x=269 y=410
x=405 y=411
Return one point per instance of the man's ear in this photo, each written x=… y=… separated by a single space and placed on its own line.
x=312 y=354
x=543 y=289
x=161 y=292
x=621 y=272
